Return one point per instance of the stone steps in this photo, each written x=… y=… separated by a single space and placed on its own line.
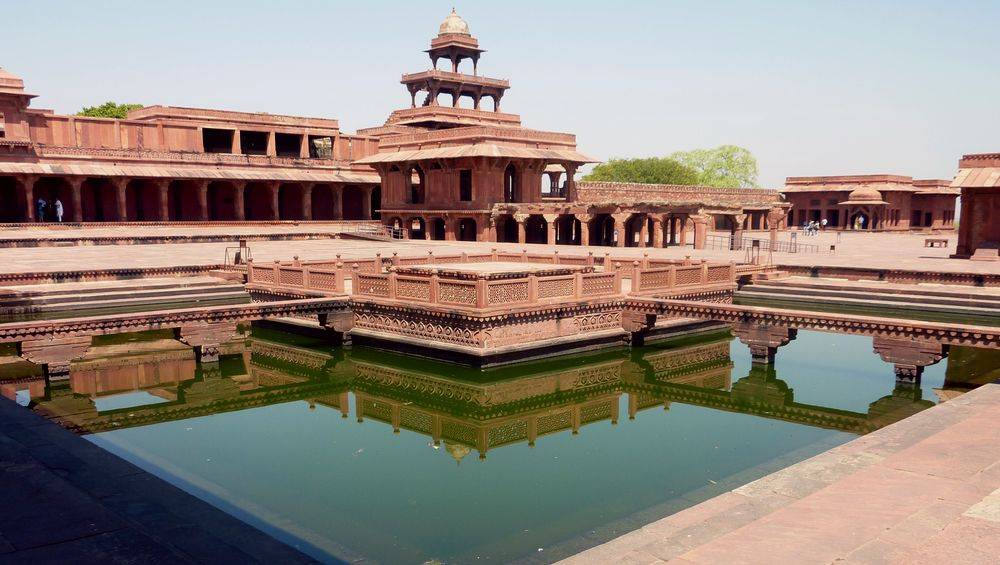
x=905 y=300
x=108 y=297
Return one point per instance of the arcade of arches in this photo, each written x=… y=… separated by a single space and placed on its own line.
x=631 y=228
x=117 y=199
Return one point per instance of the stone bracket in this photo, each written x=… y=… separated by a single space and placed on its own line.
x=206 y=338
x=55 y=354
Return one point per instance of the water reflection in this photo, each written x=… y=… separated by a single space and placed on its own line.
x=159 y=380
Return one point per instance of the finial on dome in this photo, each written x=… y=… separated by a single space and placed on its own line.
x=454 y=24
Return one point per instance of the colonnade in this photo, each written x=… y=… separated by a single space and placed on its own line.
x=116 y=199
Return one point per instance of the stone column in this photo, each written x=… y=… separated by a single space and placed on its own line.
x=307 y=208
x=774 y=218
x=550 y=225
x=737 y=234
x=274 y=188
x=682 y=236
x=522 y=231
x=584 y=228
x=239 y=187
x=29 y=196
x=162 y=190
x=700 y=230
x=202 y=188
x=337 y=194
x=120 y=184
x=644 y=231
x=366 y=203
x=76 y=194
x=237 y=147
x=450 y=228
x=271 y=150
x=304 y=146
x=657 y=231
x=570 y=182
x=620 y=231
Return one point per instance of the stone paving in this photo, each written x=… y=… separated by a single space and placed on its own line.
x=65 y=500
x=923 y=490
x=880 y=250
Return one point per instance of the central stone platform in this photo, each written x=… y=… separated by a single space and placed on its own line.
x=493 y=270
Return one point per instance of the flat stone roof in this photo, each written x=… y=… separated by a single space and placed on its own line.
x=492 y=269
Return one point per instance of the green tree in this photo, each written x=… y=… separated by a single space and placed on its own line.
x=652 y=170
x=108 y=110
x=727 y=166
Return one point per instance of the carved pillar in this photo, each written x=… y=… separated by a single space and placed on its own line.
x=620 y=232
x=237 y=146
x=337 y=194
x=202 y=189
x=307 y=195
x=584 y=228
x=775 y=216
x=550 y=225
x=450 y=228
x=366 y=202
x=55 y=354
x=683 y=225
x=206 y=338
x=274 y=189
x=657 y=231
x=909 y=357
x=120 y=184
x=522 y=232
x=570 y=182
x=162 y=191
x=239 y=188
x=737 y=234
x=76 y=196
x=29 y=197
x=643 y=232
x=763 y=340
x=700 y=230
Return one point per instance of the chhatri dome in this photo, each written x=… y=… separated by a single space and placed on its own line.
x=864 y=195
x=454 y=24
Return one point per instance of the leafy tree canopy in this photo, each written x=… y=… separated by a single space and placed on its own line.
x=108 y=110
x=652 y=170
x=727 y=166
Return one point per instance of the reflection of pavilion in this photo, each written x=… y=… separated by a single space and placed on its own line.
x=464 y=408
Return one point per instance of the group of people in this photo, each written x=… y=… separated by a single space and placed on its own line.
x=813 y=227
x=47 y=212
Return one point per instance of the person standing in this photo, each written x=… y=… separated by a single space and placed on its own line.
x=59 y=210
x=40 y=210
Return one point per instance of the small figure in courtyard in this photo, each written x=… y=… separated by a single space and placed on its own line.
x=40 y=209
x=822 y=224
x=59 y=210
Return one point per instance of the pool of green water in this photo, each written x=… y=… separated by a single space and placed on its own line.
x=362 y=454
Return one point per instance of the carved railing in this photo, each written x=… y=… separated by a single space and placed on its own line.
x=188 y=157
x=482 y=292
x=369 y=277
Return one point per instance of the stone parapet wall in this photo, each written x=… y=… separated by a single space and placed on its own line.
x=620 y=192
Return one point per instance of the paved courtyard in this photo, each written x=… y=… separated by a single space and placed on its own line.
x=880 y=250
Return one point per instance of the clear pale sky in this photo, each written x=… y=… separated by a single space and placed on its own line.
x=811 y=88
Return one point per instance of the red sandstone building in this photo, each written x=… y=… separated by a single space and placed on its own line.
x=872 y=202
x=979 y=229
x=462 y=170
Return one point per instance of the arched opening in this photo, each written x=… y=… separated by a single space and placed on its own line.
x=51 y=189
x=536 y=229
x=417 y=228
x=466 y=230
x=142 y=201
x=568 y=230
x=511 y=188
x=98 y=201
x=12 y=195
x=635 y=234
x=860 y=221
x=437 y=229
x=290 y=202
x=415 y=179
x=322 y=202
x=723 y=222
x=506 y=228
x=602 y=230
x=257 y=202
x=221 y=201
x=183 y=201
